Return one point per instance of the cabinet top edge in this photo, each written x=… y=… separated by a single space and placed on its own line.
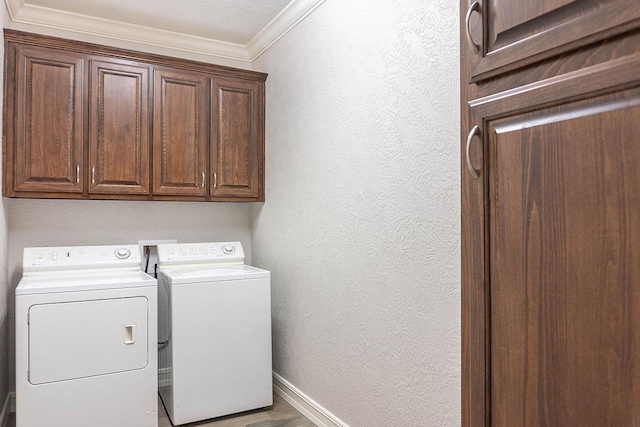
x=15 y=36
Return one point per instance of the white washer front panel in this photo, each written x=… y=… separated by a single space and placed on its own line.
x=73 y=340
x=221 y=342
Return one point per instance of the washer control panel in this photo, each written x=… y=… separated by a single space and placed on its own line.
x=200 y=253
x=80 y=258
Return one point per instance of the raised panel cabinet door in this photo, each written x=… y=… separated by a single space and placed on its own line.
x=180 y=133
x=554 y=328
x=512 y=34
x=237 y=149
x=48 y=154
x=119 y=128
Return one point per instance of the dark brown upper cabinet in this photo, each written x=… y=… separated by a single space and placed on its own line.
x=180 y=133
x=119 y=128
x=506 y=35
x=550 y=184
x=48 y=132
x=237 y=121
x=95 y=122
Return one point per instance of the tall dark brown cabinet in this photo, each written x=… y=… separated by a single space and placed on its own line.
x=550 y=120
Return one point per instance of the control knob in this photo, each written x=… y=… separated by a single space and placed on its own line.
x=123 y=253
x=228 y=249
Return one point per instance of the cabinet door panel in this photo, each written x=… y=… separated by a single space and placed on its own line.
x=49 y=131
x=119 y=141
x=237 y=142
x=180 y=133
x=565 y=300
x=517 y=33
x=558 y=314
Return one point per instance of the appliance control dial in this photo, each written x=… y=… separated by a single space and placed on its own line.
x=228 y=249
x=123 y=253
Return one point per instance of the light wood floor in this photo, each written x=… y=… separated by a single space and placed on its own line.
x=281 y=414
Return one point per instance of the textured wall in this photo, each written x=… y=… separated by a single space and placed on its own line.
x=96 y=222
x=5 y=292
x=361 y=222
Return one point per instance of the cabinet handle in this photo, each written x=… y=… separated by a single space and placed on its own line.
x=215 y=180
x=77 y=173
x=477 y=8
x=202 y=186
x=93 y=174
x=474 y=132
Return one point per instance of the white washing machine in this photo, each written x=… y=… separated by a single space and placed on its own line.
x=86 y=331
x=214 y=332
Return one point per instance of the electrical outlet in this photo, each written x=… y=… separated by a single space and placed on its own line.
x=153 y=253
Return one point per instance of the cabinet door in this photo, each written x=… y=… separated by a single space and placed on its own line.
x=511 y=34
x=119 y=135
x=49 y=121
x=554 y=327
x=237 y=154
x=180 y=133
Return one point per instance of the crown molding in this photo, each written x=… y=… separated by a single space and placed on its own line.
x=62 y=20
x=288 y=18
x=292 y=14
x=13 y=6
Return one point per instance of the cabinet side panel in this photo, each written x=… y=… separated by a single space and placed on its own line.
x=473 y=232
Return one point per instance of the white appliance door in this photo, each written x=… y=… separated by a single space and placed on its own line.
x=87 y=338
x=221 y=348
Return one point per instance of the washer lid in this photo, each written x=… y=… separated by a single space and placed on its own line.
x=85 y=281
x=214 y=274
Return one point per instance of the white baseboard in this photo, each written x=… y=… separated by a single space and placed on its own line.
x=8 y=407
x=304 y=404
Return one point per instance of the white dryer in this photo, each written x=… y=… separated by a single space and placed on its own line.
x=214 y=332
x=86 y=331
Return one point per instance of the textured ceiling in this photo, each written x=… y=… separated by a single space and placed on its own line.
x=233 y=21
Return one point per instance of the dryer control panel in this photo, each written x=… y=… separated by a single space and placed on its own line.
x=80 y=258
x=200 y=253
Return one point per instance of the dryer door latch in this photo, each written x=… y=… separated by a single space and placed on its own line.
x=129 y=334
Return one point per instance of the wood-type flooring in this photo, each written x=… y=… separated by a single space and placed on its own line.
x=281 y=414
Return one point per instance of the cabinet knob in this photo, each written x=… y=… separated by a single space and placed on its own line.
x=202 y=185
x=474 y=132
x=77 y=173
x=93 y=174
x=475 y=7
x=215 y=180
